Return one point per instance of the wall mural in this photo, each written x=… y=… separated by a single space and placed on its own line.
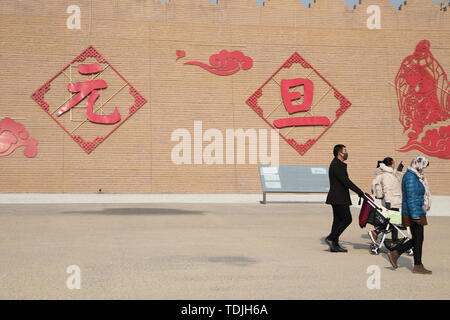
x=422 y=89
x=312 y=98
x=13 y=135
x=96 y=124
x=423 y=93
x=224 y=63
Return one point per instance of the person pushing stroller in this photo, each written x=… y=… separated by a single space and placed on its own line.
x=339 y=197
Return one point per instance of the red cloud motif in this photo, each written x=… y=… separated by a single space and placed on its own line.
x=225 y=63
x=14 y=135
x=180 y=54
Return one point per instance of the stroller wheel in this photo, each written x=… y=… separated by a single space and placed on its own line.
x=374 y=249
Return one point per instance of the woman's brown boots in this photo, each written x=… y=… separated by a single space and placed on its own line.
x=393 y=257
x=420 y=269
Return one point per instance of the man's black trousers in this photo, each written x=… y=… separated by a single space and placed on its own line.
x=342 y=218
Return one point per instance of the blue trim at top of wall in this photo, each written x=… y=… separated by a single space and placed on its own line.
x=261 y=3
x=352 y=3
x=397 y=4
x=307 y=3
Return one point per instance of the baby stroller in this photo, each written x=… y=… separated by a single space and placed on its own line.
x=372 y=214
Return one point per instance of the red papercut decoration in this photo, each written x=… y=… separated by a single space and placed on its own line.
x=14 y=135
x=435 y=142
x=290 y=96
x=89 y=68
x=423 y=93
x=301 y=121
x=306 y=100
x=86 y=88
x=180 y=54
x=89 y=89
x=225 y=63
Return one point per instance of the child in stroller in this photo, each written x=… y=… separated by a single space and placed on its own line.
x=380 y=218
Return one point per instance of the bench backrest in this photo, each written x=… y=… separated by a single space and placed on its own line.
x=294 y=178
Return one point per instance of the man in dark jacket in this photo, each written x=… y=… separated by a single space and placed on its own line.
x=339 y=197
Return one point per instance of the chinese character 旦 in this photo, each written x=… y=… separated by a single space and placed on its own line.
x=89 y=88
x=289 y=96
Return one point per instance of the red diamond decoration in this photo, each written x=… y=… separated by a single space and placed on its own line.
x=95 y=133
x=309 y=125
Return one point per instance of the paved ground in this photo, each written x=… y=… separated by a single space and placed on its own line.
x=202 y=251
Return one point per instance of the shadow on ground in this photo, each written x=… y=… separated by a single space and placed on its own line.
x=233 y=260
x=182 y=261
x=403 y=262
x=137 y=211
x=356 y=246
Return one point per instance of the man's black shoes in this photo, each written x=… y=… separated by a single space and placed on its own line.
x=334 y=247
x=340 y=249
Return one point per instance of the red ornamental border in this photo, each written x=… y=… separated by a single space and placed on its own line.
x=252 y=101
x=88 y=146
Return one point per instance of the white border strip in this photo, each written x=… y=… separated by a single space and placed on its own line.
x=54 y=198
x=440 y=205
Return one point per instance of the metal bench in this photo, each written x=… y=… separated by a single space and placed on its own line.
x=294 y=179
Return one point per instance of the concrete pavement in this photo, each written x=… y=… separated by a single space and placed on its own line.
x=203 y=251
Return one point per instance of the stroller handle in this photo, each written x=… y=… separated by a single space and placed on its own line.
x=367 y=197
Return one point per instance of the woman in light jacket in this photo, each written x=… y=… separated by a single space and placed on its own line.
x=415 y=204
x=387 y=186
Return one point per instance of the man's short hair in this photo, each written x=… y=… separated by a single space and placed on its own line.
x=337 y=148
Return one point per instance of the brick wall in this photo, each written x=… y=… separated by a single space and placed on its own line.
x=139 y=38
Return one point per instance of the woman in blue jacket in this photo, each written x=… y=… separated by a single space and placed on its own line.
x=416 y=202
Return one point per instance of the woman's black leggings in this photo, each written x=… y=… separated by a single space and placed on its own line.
x=415 y=243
